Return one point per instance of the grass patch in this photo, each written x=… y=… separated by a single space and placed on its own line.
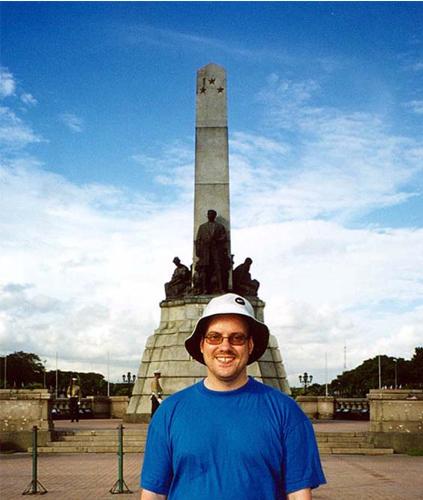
x=414 y=452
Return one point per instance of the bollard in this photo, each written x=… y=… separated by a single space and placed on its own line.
x=120 y=486
x=32 y=488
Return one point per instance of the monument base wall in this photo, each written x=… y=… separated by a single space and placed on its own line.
x=317 y=407
x=118 y=406
x=396 y=419
x=20 y=410
x=165 y=351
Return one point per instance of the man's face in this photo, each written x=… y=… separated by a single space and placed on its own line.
x=226 y=363
x=211 y=215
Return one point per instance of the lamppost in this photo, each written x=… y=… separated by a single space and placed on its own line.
x=396 y=372
x=306 y=380
x=129 y=379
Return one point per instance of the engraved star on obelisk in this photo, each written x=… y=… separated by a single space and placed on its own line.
x=203 y=90
x=220 y=90
x=212 y=81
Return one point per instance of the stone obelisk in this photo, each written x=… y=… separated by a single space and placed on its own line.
x=211 y=148
x=165 y=350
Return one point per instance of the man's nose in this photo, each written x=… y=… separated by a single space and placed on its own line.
x=225 y=343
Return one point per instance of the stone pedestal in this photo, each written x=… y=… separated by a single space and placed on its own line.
x=396 y=419
x=308 y=405
x=20 y=410
x=165 y=351
x=100 y=406
x=118 y=406
x=325 y=407
x=317 y=407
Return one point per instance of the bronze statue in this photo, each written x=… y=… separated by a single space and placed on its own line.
x=213 y=263
x=180 y=282
x=242 y=282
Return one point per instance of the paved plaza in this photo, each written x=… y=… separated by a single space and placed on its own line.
x=90 y=476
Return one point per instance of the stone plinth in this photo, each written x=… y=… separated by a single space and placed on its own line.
x=165 y=351
x=118 y=406
x=317 y=407
x=308 y=405
x=325 y=407
x=100 y=406
x=396 y=418
x=20 y=410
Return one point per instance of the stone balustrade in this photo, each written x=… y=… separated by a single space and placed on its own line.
x=396 y=419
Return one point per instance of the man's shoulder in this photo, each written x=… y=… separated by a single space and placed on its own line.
x=181 y=395
x=277 y=397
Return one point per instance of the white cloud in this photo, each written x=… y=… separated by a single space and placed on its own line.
x=7 y=83
x=14 y=133
x=72 y=121
x=28 y=99
x=145 y=34
x=175 y=168
x=415 y=106
x=339 y=164
x=86 y=276
x=83 y=266
x=418 y=66
x=83 y=275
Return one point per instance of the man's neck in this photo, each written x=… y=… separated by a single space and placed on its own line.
x=215 y=384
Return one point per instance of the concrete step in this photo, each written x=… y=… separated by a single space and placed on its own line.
x=340 y=434
x=102 y=432
x=87 y=449
x=113 y=439
x=69 y=444
x=106 y=441
x=362 y=451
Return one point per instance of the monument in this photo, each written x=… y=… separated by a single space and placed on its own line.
x=211 y=272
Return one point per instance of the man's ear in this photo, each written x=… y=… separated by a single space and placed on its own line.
x=250 y=345
x=201 y=346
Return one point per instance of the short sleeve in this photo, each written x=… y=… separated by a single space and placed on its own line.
x=156 y=474
x=302 y=465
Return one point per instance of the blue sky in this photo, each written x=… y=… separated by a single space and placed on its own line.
x=96 y=184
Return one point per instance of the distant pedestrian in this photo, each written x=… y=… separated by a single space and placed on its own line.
x=73 y=394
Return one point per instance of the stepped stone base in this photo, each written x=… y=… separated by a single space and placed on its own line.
x=106 y=441
x=165 y=351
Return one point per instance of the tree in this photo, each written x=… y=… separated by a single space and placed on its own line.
x=358 y=382
x=23 y=369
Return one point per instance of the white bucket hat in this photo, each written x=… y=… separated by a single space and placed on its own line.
x=230 y=303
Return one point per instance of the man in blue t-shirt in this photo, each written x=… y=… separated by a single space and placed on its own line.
x=229 y=437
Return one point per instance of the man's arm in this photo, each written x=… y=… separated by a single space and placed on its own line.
x=299 y=495
x=149 y=495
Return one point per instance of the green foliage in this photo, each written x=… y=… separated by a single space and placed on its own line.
x=358 y=382
x=26 y=370
x=91 y=384
x=120 y=390
x=22 y=368
x=414 y=452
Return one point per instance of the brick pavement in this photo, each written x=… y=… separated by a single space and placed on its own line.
x=90 y=476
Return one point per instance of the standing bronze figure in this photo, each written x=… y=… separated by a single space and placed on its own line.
x=213 y=262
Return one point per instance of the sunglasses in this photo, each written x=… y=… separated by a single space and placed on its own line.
x=217 y=338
